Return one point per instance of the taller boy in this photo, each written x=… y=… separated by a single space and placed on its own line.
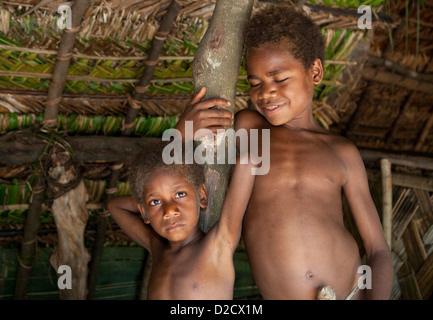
x=293 y=227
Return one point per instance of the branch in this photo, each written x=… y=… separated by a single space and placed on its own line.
x=62 y=63
x=143 y=83
x=25 y=147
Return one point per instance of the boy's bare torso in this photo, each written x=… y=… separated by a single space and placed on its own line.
x=199 y=271
x=293 y=228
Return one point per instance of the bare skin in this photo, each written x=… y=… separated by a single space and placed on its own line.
x=293 y=228
x=187 y=263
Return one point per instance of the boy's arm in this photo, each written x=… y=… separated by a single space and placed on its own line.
x=202 y=116
x=125 y=212
x=364 y=212
x=229 y=226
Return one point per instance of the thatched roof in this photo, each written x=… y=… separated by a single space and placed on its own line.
x=377 y=91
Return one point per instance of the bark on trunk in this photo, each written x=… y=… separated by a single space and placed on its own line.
x=61 y=67
x=216 y=66
x=68 y=193
x=71 y=215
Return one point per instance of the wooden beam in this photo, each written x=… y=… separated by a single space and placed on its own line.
x=373 y=74
x=347 y=12
x=424 y=278
x=425 y=214
x=385 y=165
x=414 y=246
x=394 y=127
x=150 y=64
x=62 y=63
x=424 y=133
x=412 y=181
x=413 y=160
x=25 y=147
x=397 y=68
x=408 y=282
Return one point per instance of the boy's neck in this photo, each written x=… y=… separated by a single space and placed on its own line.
x=177 y=246
x=304 y=123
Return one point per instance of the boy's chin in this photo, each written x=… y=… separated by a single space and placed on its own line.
x=273 y=121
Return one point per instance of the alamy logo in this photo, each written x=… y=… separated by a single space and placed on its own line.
x=65 y=280
x=206 y=151
x=364 y=21
x=364 y=281
x=65 y=19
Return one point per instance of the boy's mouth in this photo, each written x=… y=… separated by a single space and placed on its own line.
x=271 y=108
x=174 y=227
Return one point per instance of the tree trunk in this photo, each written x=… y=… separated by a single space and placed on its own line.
x=68 y=193
x=216 y=66
x=71 y=215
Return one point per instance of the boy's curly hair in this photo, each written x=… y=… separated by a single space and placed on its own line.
x=276 y=23
x=150 y=159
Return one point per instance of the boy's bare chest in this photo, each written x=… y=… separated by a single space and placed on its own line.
x=186 y=275
x=305 y=159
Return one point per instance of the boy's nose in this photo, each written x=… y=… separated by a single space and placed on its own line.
x=268 y=91
x=170 y=211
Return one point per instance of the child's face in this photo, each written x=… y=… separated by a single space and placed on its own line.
x=172 y=205
x=281 y=88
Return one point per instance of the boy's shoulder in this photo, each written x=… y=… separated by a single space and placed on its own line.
x=343 y=146
x=249 y=119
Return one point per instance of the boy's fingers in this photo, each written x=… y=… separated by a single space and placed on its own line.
x=213 y=129
x=207 y=104
x=198 y=96
x=210 y=117
x=219 y=122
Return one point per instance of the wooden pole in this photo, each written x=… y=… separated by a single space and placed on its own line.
x=26 y=257
x=141 y=87
x=62 y=64
x=68 y=193
x=216 y=66
x=385 y=165
x=100 y=231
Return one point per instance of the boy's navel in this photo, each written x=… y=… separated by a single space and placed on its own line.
x=309 y=275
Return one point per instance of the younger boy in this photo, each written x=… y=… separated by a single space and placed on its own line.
x=293 y=229
x=186 y=263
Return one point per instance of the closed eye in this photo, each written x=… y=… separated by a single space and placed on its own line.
x=282 y=80
x=252 y=85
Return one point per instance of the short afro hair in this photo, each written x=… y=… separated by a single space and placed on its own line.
x=150 y=159
x=274 y=24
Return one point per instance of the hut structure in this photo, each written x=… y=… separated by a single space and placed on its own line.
x=76 y=102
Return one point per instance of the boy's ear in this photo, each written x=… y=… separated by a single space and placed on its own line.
x=317 y=71
x=143 y=214
x=202 y=194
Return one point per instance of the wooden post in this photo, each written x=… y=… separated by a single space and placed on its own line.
x=71 y=215
x=29 y=243
x=385 y=165
x=101 y=230
x=61 y=67
x=150 y=64
x=216 y=66
x=68 y=193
